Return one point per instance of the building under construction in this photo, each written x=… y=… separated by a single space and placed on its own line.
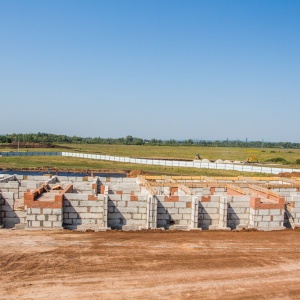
x=149 y=202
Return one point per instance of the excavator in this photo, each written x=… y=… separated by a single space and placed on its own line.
x=197 y=157
x=251 y=159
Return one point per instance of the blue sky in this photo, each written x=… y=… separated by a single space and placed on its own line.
x=163 y=69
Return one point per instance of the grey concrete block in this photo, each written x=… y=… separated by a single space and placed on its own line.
x=57 y=224
x=36 y=211
x=40 y=217
x=6 y=208
x=73 y=215
x=57 y=211
x=52 y=218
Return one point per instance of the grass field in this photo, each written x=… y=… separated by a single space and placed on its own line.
x=145 y=151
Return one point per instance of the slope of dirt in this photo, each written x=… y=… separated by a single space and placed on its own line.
x=143 y=265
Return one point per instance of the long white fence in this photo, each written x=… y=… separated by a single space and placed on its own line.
x=185 y=164
x=161 y=162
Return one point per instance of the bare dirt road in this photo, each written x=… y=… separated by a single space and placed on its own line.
x=143 y=265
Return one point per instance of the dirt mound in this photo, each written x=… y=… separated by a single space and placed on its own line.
x=135 y=173
x=289 y=174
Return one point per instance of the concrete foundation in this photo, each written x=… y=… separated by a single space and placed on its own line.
x=148 y=202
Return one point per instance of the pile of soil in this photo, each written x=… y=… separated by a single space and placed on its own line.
x=135 y=173
x=289 y=174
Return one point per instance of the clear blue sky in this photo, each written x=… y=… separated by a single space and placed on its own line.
x=164 y=69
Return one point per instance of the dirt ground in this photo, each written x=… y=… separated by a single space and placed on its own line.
x=155 y=265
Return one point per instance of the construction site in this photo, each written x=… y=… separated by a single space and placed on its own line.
x=149 y=237
x=149 y=202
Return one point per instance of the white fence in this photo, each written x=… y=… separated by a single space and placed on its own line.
x=161 y=162
x=185 y=164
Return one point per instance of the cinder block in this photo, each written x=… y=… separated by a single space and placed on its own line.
x=184 y=222
x=172 y=210
x=52 y=218
x=275 y=212
x=36 y=211
x=166 y=204
x=185 y=210
x=161 y=210
x=163 y=217
x=81 y=209
x=278 y=218
x=31 y=217
x=40 y=217
x=142 y=210
x=96 y=209
x=180 y=204
x=114 y=215
x=47 y=224
x=186 y=216
x=73 y=215
x=69 y=209
x=35 y=223
x=76 y=221
x=137 y=216
x=210 y=204
x=47 y=211
x=57 y=224
x=57 y=211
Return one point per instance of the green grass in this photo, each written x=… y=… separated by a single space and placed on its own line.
x=146 y=151
x=80 y=164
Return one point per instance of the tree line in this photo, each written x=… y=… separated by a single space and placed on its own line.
x=49 y=138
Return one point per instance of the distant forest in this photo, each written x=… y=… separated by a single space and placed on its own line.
x=48 y=138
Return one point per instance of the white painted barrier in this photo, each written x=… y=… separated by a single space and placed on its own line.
x=185 y=164
x=157 y=162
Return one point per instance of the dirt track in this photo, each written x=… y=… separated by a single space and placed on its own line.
x=143 y=265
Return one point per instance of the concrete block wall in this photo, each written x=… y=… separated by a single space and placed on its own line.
x=123 y=203
x=238 y=211
x=82 y=211
x=174 y=211
x=293 y=212
x=223 y=212
x=266 y=219
x=194 y=213
x=44 y=218
x=11 y=187
x=125 y=210
x=9 y=217
x=151 y=212
x=209 y=210
x=288 y=193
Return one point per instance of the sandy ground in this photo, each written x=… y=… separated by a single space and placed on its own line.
x=143 y=265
